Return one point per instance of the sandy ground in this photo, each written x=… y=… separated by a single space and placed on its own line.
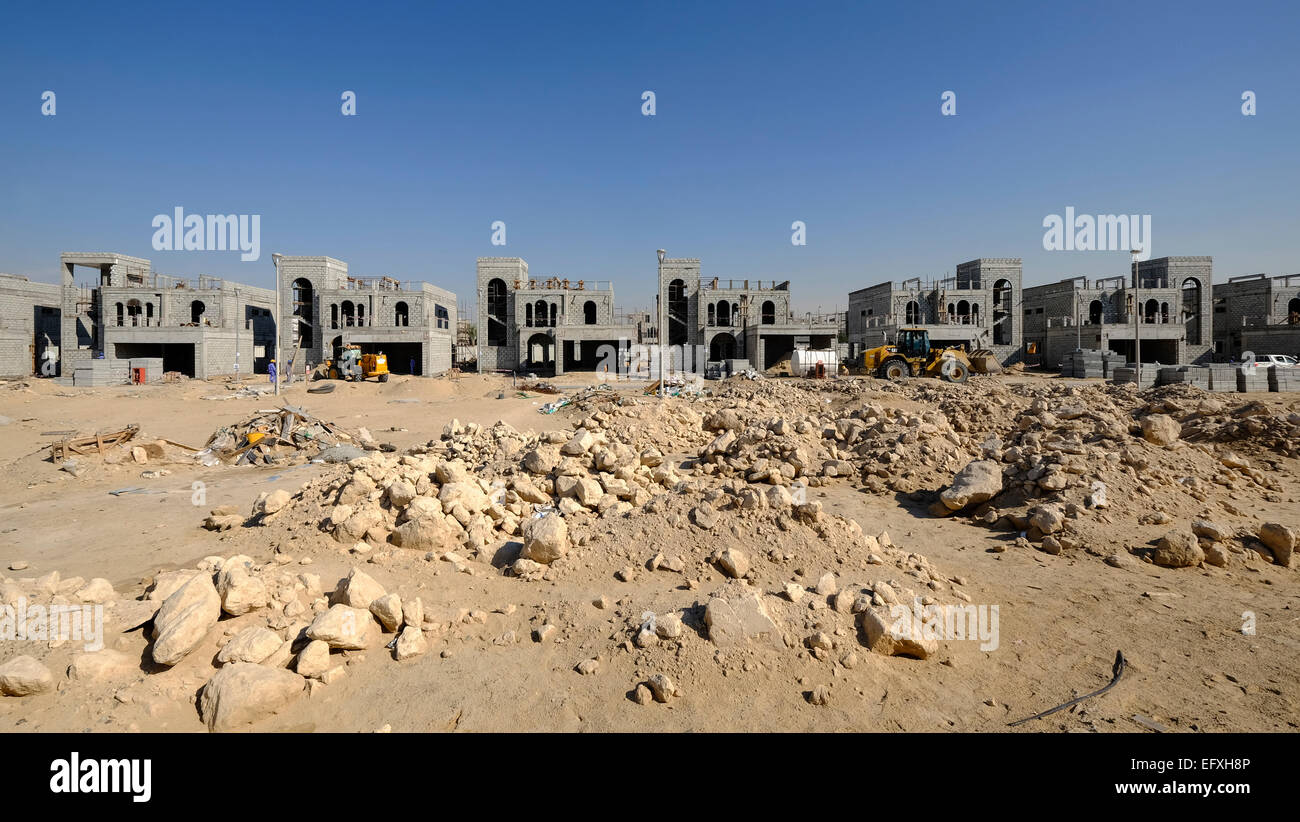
x=1062 y=618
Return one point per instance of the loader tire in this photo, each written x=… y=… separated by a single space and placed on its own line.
x=383 y=378
x=893 y=369
x=957 y=372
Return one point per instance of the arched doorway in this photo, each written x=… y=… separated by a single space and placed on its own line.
x=303 y=303
x=539 y=313
x=496 y=311
x=963 y=312
x=349 y=313
x=589 y=312
x=1095 y=312
x=541 y=351
x=196 y=312
x=401 y=315
x=677 y=310
x=724 y=313
x=133 y=312
x=767 y=313
x=911 y=312
x=336 y=348
x=1293 y=311
x=723 y=347
x=1004 y=315
x=1151 y=310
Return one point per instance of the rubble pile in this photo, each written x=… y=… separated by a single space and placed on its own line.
x=271 y=436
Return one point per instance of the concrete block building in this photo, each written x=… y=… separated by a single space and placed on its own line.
x=547 y=324
x=324 y=309
x=978 y=308
x=1257 y=313
x=1169 y=297
x=29 y=326
x=121 y=312
x=717 y=320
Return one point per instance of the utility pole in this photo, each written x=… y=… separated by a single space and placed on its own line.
x=663 y=309
x=279 y=331
x=1137 y=316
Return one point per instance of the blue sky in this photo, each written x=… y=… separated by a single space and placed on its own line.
x=530 y=113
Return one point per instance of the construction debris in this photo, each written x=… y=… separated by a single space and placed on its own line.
x=93 y=444
x=270 y=436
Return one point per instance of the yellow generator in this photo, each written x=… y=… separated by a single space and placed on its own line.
x=353 y=365
x=912 y=356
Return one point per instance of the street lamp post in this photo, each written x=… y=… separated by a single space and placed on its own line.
x=663 y=309
x=1137 y=316
x=279 y=331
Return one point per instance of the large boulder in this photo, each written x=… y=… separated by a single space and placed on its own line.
x=1280 y=539
x=359 y=590
x=740 y=620
x=904 y=636
x=243 y=693
x=241 y=591
x=185 y=619
x=103 y=666
x=254 y=644
x=1161 y=429
x=546 y=539
x=432 y=532
x=346 y=628
x=1178 y=549
x=24 y=676
x=979 y=481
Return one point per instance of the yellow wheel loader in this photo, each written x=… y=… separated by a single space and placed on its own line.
x=912 y=356
x=353 y=365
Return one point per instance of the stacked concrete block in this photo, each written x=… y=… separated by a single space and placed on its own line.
x=1128 y=373
x=1223 y=378
x=1085 y=363
x=1184 y=375
x=1283 y=379
x=1256 y=379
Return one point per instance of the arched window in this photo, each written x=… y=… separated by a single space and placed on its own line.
x=528 y=314
x=1152 y=309
x=735 y=313
x=1164 y=312
x=196 y=312
x=401 y=314
x=148 y=313
x=589 y=312
x=349 y=313
x=120 y=314
x=768 y=312
x=553 y=307
x=952 y=312
x=334 y=315
x=911 y=313
x=963 y=312
x=678 y=305
x=713 y=317
x=724 y=313
x=1293 y=311
x=133 y=311
x=361 y=313
x=1095 y=312
x=303 y=301
x=539 y=313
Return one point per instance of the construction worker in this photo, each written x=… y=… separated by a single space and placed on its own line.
x=270 y=371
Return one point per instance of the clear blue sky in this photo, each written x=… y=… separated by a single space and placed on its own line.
x=531 y=113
